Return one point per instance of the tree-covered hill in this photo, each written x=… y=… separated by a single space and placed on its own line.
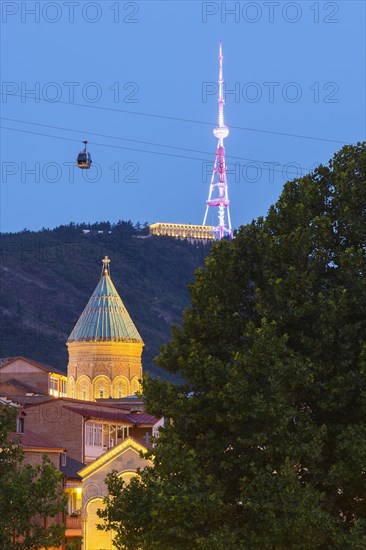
x=48 y=276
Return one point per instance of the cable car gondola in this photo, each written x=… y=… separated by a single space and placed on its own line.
x=84 y=159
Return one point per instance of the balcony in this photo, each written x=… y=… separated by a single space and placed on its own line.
x=73 y=526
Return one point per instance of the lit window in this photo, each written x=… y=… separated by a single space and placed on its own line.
x=94 y=434
x=63 y=387
x=74 y=501
x=53 y=385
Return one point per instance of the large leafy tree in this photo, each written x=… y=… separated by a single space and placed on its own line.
x=30 y=496
x=265 y=441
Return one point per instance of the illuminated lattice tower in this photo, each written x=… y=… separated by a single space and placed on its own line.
x=105 y=347
x=218 y=196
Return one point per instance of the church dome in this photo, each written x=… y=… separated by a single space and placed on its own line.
x=105 y=318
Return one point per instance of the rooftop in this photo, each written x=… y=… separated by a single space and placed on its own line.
x=32 y=440
x=29 y=399
x=72 y=467
x=43 y=366
x=105 y=317
x=113 y=414
x=13 y=385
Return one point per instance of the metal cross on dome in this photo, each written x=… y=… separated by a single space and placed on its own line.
x=106 y=261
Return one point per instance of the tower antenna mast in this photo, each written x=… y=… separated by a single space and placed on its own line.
x=218 y=193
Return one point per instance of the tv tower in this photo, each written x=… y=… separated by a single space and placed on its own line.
x=218 y=193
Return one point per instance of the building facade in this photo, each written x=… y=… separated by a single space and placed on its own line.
x=20 y=375
x=187 y=231
x=125 y=458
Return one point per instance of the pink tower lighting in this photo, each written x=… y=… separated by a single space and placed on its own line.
x=218 y=196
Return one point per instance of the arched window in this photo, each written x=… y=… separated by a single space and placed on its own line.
x=120 y=387
x=71 y=387
x=127 y=475
x=83 y=388
x=101 y=387
x=135 y=385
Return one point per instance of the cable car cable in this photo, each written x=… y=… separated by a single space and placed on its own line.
x=131 y=148
x=180 y=119
x=140 y=141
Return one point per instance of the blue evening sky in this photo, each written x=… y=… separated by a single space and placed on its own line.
x=295 y=82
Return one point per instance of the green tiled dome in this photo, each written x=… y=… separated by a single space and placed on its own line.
x=105 y=317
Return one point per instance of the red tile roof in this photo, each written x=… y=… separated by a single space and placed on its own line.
x=83 y=402
x=30 y=400
x=18 y=385
x=78 y=403
x=48 y=368
x=115 y=415
x=100 y=414
x=143 y=418
x=31 y=439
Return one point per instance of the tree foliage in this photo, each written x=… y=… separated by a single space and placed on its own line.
x=265 y=446
x=29 y=495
